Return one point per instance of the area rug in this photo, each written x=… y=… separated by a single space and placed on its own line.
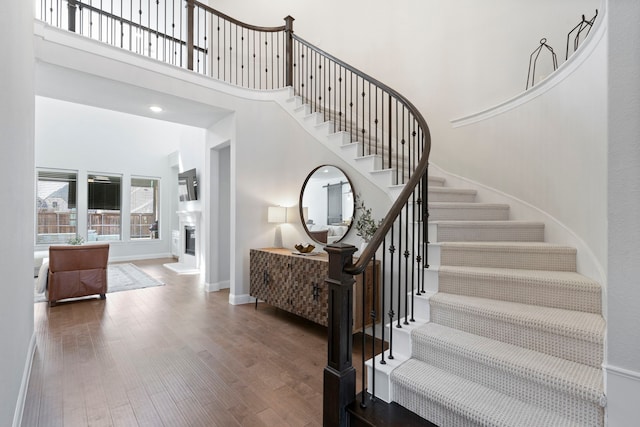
x=122 y=277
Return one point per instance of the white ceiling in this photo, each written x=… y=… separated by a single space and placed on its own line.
x=70 y=85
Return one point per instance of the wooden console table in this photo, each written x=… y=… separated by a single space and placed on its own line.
x=296 y=283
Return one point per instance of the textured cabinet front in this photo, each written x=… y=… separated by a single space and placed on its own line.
x=297 y=284
x=309 y=290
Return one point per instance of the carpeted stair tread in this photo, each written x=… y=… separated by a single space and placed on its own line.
x=462 y=402
x=559 y=289
x=483 y=230
x=575 y=324
x=521 y=255
x=572 y=335
x=564 y=375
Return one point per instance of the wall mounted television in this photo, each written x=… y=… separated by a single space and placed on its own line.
x=188 y=185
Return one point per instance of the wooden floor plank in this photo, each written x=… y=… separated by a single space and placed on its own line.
x=174 y=355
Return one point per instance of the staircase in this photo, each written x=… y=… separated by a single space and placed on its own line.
x=515 y=336
x=507 y=334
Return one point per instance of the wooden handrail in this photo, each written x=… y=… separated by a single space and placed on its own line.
x=239 y=23
x=420 y=170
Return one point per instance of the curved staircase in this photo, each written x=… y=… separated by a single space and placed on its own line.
x=507 y=334
x=515 y=336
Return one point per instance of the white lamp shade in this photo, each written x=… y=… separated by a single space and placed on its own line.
x=277 y=214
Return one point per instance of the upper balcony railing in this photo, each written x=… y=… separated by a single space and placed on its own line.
x=189 y=34
x=184 y=33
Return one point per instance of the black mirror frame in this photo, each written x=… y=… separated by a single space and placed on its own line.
x=300 y=208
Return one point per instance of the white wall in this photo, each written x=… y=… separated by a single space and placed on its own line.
x=450 y=57
x=459 y=57
x=623 y=352
x=16 y=192
x=88 y=139
x=273 y=156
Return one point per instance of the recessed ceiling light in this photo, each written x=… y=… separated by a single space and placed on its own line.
x=155 y=109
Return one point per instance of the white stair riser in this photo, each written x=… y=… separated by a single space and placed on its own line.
x=402 y=336
x=384 y=177
x=451 y=196
x=383 y=375
x=369 y=163
x=314 y=118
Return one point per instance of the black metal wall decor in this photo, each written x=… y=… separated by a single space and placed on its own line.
x=531 y=75
x=580 y=32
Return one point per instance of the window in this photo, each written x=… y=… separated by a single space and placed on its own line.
x=56 y=207
x=144 y=208
x=103 y=213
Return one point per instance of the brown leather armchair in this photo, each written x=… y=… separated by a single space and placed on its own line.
x=77 y=271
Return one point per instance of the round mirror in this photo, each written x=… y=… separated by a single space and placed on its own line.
x=327 y=204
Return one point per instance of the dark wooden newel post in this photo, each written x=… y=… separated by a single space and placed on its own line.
x=288 y=29
x=190 y=32
x=339 y=375
x=71 y=15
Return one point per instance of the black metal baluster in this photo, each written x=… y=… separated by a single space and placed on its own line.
x=373 y=328
x=400 y=253
x=242 y=58
x=413 y=250
x=363 y=368
x=351 y=105
x=406 y=263
x=389 y=130
x=425 y=219
x=341 y=102
x=392 y=250
x=383 y=304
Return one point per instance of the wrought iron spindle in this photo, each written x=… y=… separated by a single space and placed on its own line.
x=363 y=367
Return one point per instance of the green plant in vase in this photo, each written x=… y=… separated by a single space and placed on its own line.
x=75 y=240
x=365 y=224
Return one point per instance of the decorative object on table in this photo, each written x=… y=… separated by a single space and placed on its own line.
x=75 y=240
x=531 y=76
x=580 y=33
x=366 y=225
x=304 y=249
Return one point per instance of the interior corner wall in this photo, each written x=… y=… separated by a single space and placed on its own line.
x=450 y=58
x=271 y=156
x=16 y=191
x=623 y=323
x=460 y=57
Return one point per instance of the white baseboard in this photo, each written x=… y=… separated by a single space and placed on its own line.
x=241 y=299
x=214 y=287
x=623 y=389
x=24 y=385
x=139 y=257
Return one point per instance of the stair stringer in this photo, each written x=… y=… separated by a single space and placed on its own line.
x=339 y=143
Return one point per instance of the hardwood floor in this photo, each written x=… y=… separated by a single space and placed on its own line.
x=175 y=355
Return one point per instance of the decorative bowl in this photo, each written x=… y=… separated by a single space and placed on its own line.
x=305 y=249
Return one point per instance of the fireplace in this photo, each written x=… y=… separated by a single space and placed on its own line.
x=190 y=240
